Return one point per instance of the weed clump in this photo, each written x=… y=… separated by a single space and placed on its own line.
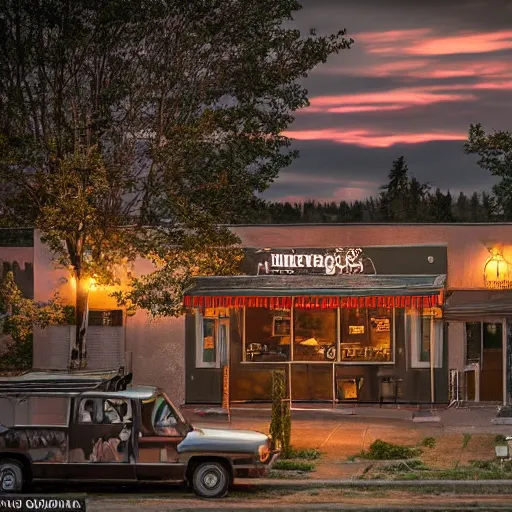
x=294 y=465
x=381 y=450
x=429 y=442
x=305 y=454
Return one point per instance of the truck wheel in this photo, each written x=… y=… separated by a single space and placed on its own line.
x=11 y=476
x=210 y=480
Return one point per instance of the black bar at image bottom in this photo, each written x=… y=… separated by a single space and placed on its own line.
x=31 y=503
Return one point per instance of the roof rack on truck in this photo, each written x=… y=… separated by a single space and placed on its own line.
x=63 y=382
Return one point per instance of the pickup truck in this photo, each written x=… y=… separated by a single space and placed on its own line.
x=89 y=429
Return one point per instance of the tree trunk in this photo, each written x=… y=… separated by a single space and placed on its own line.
x=79 y=353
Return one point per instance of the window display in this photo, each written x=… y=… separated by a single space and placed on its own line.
x=315 y=335
x=418 y=330
x=267 y=335
x=366 y=334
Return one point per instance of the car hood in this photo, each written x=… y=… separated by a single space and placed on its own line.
x=222 y=440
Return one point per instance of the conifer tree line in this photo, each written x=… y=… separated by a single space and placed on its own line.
x=402 y=199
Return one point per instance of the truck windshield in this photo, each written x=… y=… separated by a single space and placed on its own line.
x=161 y=418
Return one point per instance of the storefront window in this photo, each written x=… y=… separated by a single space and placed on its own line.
x=267 y=335
x=315 y=335
x=212 y=340
x=418 y=331
x=366 y=334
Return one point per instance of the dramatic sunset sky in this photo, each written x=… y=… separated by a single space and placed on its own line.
x=417 y=75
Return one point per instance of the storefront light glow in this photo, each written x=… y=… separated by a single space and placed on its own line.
x=497 y=270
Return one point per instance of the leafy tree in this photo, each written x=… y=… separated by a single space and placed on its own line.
x=495 y=155
x=133 y=128
x=18 y=317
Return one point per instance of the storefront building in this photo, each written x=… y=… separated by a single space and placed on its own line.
x=345 y=324
x=354 y=312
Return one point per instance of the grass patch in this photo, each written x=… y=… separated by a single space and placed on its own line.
x=275 y=474
x=415 y=470
x=381 y=450
x=410 y=465
x=293 y=465
x=465 y=440
x=429 y=442
x=307 y=454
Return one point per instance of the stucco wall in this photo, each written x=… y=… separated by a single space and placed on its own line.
x=467 y=252
x=157 y=347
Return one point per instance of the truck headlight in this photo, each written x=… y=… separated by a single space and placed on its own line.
x=264 y=452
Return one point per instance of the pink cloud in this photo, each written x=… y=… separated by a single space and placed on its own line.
x=392 y=36
x=361 y=108
x=373 y=139
x=349 y=194
x=426 y=42
x=292 y=177
x=467 y=43
x=428 y=68
x=395 y=99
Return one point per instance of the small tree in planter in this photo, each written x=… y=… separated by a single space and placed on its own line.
x=281 y=422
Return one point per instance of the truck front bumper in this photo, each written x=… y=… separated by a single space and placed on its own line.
x=257 y=470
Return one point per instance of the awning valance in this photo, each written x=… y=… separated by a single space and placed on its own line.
x=469 y=304
x=315 y=291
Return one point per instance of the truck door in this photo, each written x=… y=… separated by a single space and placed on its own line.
x=160 y=433
x=102 y=439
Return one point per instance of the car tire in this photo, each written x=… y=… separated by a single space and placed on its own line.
x=210 y=480
x=11 y=476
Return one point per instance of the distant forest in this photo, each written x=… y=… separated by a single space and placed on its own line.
x=402 y=199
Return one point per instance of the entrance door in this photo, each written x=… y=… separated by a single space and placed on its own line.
x=491 y=375
x=484 y=346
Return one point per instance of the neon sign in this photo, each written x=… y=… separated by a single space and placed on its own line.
x=338 y=261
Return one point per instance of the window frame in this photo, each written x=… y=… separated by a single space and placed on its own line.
x=414 y=341
x=219 y=322
x=116 y=316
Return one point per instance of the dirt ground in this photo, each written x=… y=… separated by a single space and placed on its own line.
x=340 y=438
x=318 y=499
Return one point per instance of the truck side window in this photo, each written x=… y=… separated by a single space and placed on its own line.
x=116 y=411
x=86 y=411
x=158 y=418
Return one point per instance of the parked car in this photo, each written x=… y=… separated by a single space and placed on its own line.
x=91 y=429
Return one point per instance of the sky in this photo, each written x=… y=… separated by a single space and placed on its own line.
x=419 y=73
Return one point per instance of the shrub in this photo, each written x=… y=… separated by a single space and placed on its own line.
x=281 y=422
x=308 y=454
x=294 y=465
x=381 y=450
x=429 y=442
